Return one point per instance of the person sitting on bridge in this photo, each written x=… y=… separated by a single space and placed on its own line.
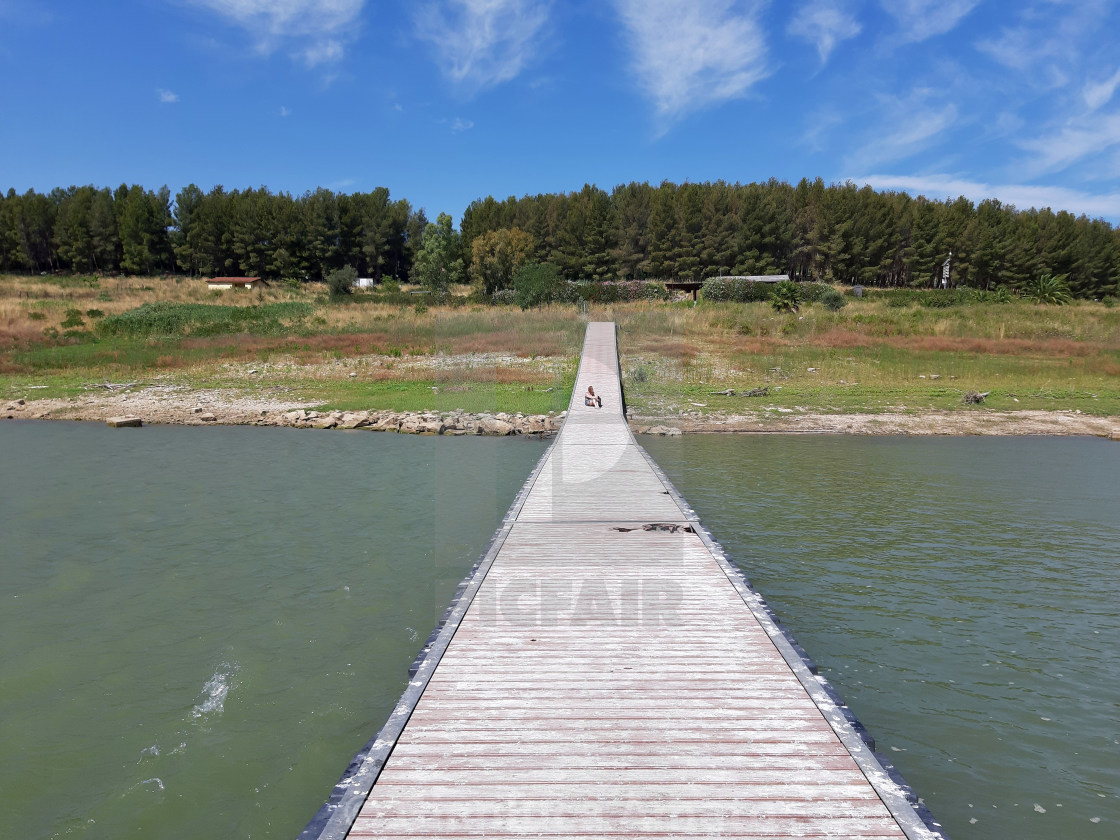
x=591 y=399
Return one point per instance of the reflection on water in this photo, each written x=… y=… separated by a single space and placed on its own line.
x=200 y=627
x=961 y=594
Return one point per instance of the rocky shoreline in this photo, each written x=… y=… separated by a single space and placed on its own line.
x=402 y=422
x=177 y=406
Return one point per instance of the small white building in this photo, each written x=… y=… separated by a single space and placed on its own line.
x=364 y=283
x=234 y=282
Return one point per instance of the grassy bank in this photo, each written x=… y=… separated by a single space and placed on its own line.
x=59 y=337
x=872 y=357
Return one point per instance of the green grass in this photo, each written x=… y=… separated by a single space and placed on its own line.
x=198 y=319
x=114 y=356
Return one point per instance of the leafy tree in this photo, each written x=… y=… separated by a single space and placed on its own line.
x=440 y=261
x=497 y=255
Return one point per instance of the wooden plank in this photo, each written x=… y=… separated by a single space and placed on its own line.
x=612 y=681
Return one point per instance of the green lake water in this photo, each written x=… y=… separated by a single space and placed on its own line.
x=200 y=627
x=963 y=595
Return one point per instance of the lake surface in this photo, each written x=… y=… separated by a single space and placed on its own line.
x=201 y=626
x=963 y=594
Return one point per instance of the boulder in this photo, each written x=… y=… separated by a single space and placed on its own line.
x=495 y=426
x=387 y=423
x=207 y=417
x=663 y=431
x=353 y=420
x=124 y=422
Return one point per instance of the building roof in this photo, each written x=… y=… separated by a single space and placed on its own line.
x=237 y=281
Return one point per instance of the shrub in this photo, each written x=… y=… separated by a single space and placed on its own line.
x=503 y=297
x=94 y=313
x=834 y=300
x=735 y=289
x=945 y=298
x=536 y=284
x=597 y=291
x=73 y=319
x=340 y=282
x=814 y=292
x=41 y=316
x=1110 y=300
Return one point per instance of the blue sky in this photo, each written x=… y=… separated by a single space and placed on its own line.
x=444 y=102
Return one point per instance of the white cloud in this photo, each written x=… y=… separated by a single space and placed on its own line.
x=1023 y=196
x=316 y=31
x=1097 y=94
x=285 y=111
x=459 y=124
x=166 y=96
x=922 y=19
x=1051 y=39
x=482 y=43
x=692 y=55
x=903 y=127
x=824 y=24
x=1077 y=140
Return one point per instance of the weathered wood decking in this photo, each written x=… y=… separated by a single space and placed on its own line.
x=598 y=679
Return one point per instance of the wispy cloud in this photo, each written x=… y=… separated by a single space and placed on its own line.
x=482 y=43
x=693 y=55
x=166 y=96
x=824 y=24
x=316 y=31
x=1097 y=94
x=1023 y=196
x=459 y=124
x=1078 y=140
x=922 y=19
x=285 y=111
x=904 y=126
x=1050 y=38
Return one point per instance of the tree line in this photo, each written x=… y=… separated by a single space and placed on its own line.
x=251 y=232
x=812 y=231
x=837 y=233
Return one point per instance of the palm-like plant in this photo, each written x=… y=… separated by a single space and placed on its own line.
x=786 y=296
x=1046 y=288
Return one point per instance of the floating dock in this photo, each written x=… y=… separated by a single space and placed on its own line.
x=607 y=672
